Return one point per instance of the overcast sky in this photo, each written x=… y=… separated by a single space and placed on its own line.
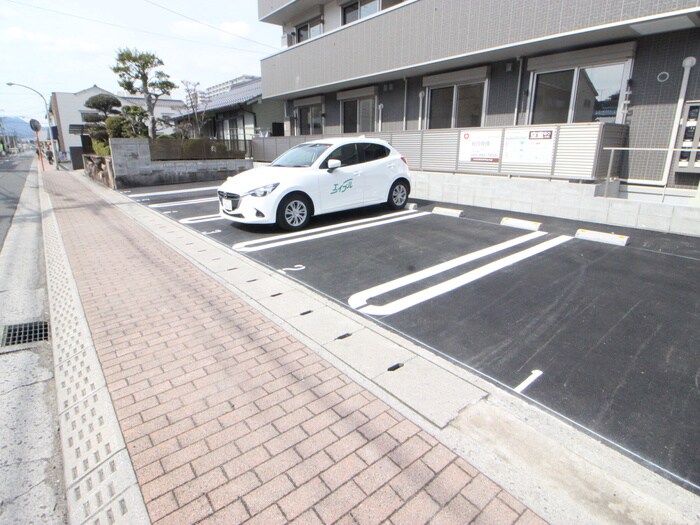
x=52 y=46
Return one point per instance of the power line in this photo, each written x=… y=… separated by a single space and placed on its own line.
x=71 y=15
x=209 y=25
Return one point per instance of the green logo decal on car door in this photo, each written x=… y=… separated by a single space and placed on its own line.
x=342 y=188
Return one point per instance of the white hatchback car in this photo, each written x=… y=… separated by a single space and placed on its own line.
x=314 y=178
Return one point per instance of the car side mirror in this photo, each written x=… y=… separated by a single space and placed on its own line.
x=333 y=164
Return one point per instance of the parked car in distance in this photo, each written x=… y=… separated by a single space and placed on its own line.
x=317 y=177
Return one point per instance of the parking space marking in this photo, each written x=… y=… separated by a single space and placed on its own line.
x=327 y=231
x=201 y=218
x=170 y=192
x=531 y=379
x=295 y=268
x=360 y=299
x=461 y=280
x=183 y=203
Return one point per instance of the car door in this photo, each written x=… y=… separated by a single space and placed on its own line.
x=378 y=171
x=341 y=188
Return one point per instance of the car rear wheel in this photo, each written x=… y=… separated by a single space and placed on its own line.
x=294 y=212
x=398 y=195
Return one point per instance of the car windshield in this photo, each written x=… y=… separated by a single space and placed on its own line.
x=300 y=156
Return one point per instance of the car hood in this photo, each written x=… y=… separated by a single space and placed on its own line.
x=257 y=177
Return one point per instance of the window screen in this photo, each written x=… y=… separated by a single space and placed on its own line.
x=441 y=108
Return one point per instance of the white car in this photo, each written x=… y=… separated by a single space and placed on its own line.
x=314 y=178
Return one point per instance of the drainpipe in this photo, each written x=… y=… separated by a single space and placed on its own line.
x=420 y=109
x=405 y=100
x=517 y=93
x=688 y=64
x=379 y=125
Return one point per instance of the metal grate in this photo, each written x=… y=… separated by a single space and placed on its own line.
x=19 y=334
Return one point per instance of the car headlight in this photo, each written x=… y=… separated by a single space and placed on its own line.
x=262 y=190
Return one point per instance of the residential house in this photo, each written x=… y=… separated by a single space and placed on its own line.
x=69 y=112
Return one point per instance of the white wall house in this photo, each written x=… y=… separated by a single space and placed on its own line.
x=69 y=111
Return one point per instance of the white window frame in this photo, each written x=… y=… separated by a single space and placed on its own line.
x=613 y=54
x=621 y=110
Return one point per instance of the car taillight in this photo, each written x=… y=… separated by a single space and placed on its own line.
x=405 y=161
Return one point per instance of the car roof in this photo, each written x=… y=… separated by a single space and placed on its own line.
x=336 y=141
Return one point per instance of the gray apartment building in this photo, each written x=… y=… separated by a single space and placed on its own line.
x=496 y=102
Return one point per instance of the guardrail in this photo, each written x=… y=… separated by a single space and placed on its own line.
x=557 y=151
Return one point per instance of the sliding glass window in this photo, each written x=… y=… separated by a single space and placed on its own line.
x=579 y=94
x=358 y=115
x=459 y=106
x=310 y=120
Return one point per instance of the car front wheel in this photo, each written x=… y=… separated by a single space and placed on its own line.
x=398 y=195
x=294 y=212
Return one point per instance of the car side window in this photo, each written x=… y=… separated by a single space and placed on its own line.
x=374 y=152
x=346 y=154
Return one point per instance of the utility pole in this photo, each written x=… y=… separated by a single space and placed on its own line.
x=54 y=146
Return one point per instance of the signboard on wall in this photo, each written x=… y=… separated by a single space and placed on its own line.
x=480 y=145
x=533 y=146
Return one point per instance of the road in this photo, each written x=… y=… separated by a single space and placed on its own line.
x=31 y=469
x=602 y=336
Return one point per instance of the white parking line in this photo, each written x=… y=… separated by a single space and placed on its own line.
x=171 y=192
x=360 y=299
x=201 y=218
x=183 y=203
x=461 y=280
x=522 y=386
x=335 y=229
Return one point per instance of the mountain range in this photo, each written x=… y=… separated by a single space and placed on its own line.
x=17 y=127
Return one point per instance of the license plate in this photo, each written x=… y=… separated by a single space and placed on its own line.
x=228 y=205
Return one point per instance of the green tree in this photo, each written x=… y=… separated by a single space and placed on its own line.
x=138 y=74
x=131 y=123
x=105 y=103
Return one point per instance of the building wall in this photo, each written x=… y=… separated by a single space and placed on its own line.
x=430 y=30
x=267 y=112
x=653 y=103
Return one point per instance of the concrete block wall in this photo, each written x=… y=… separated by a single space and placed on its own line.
x=556 y=198
x=133 y=166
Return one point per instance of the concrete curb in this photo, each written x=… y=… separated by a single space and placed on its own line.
x=101 y=485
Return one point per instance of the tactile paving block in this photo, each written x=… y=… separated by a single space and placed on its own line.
x=77 y=377
x=97 y=498
x=101 y=485
x=87 y=437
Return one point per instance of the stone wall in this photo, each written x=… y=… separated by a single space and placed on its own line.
x=99 y=169
x=133 y=166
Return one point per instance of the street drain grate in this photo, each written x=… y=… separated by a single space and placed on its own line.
x=19 y=334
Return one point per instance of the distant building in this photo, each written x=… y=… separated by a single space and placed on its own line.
x=69 y=112
x=234 y=110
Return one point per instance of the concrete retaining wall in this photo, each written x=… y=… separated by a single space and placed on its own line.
x=133 y=166
x=585 y=201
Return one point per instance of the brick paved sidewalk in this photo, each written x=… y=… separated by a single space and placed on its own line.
x=228 y=418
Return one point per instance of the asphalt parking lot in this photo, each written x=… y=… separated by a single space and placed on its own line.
x=604 y=336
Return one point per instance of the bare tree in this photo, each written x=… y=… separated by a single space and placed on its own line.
x=196 y=105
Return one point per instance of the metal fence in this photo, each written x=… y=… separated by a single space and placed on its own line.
x=199 y=149
x=557 y=151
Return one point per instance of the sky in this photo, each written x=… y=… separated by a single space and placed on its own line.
x=70 y=45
